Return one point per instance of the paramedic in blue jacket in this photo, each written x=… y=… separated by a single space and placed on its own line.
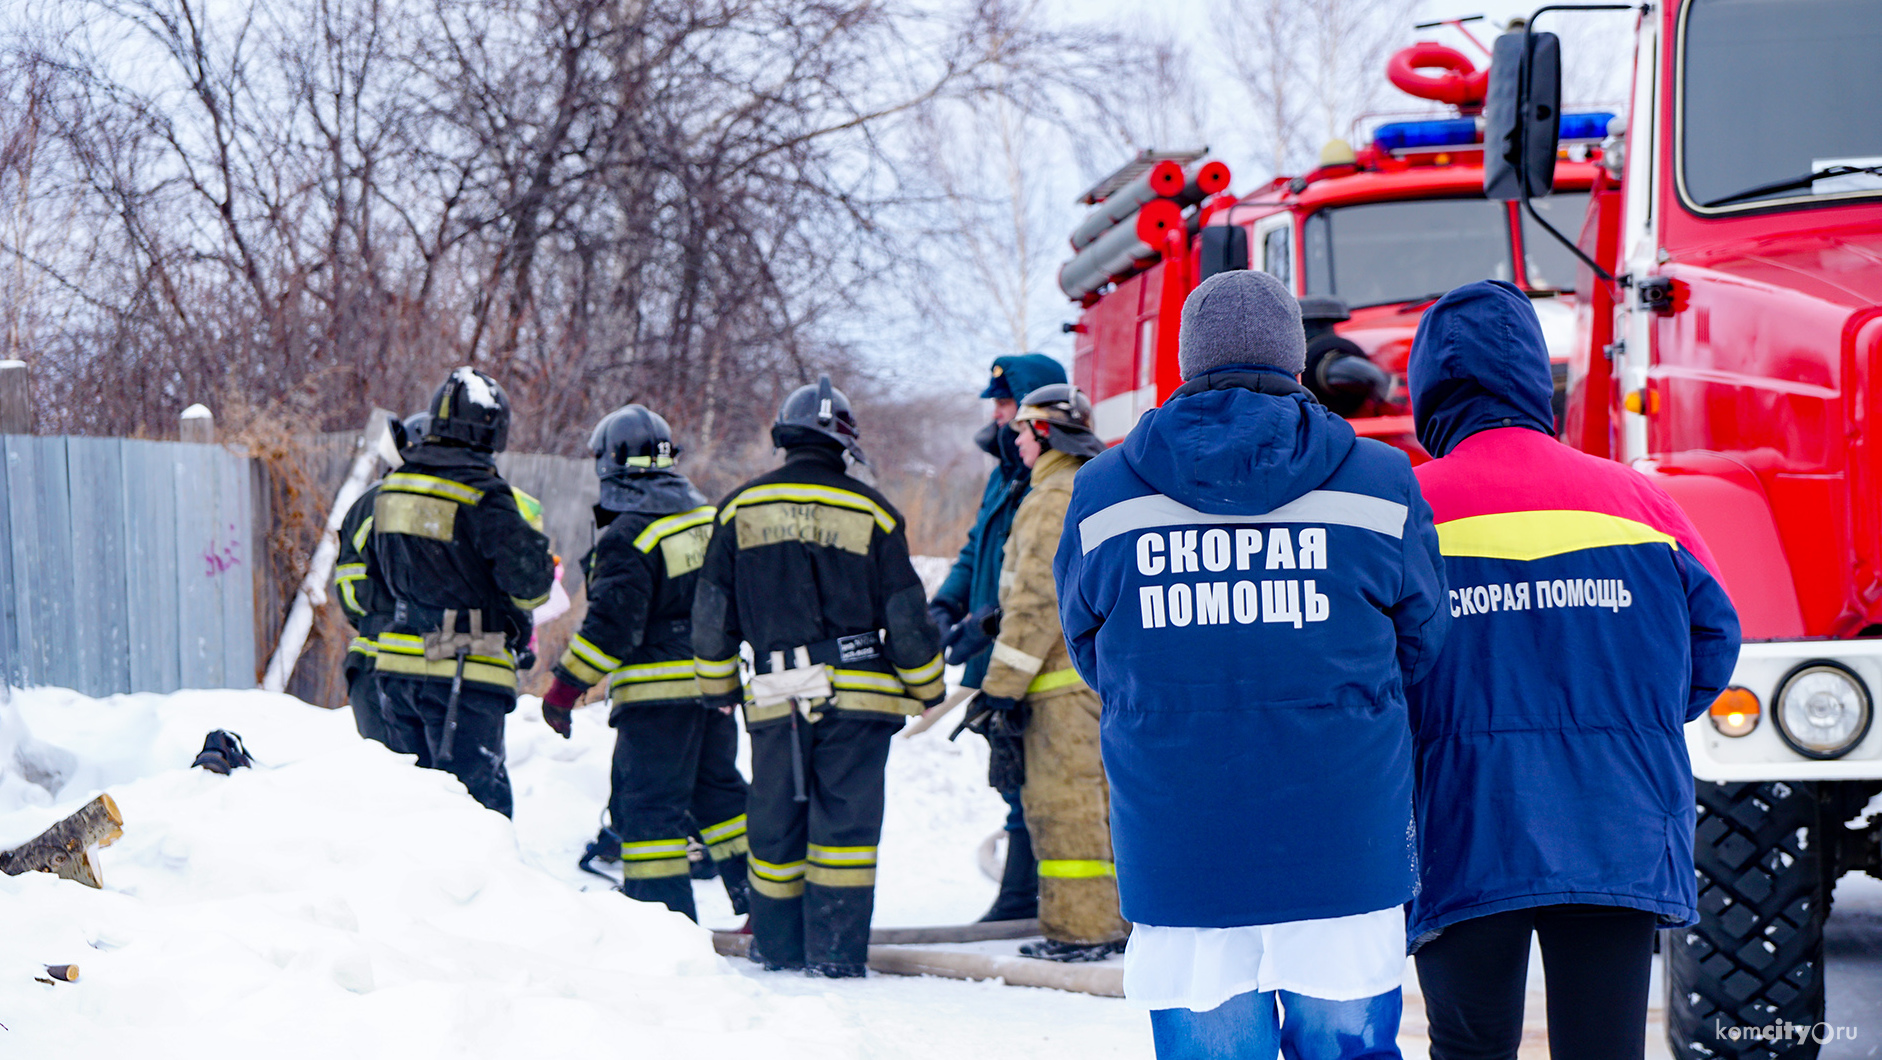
x=1554 y=791
x=1250 y=588
x=971 y=594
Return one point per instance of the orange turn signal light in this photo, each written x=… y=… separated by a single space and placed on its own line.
x=1735 y=712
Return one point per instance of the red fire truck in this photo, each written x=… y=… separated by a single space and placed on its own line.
x=1368 y=239
x=1729 y=341
x=1721 y=285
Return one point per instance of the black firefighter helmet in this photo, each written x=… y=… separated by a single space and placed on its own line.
x=472 y=410
x=632 y=440
x=817 y=414
x=402 y=435
x=1068 y=411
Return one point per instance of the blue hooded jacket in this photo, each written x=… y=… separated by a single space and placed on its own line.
x=974 y=581
x=1249 y=588
x=1587 y=629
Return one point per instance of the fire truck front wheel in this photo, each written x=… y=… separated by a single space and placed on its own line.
x=1752 y=968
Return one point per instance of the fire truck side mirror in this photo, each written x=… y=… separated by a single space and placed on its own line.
x=1224 y=249
x=1522 y=118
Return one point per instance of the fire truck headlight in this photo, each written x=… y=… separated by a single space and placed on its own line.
x=1823 y=710
x=1735 y=712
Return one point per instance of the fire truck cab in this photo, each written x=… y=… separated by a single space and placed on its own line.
x=1368 y=240
x=1729 y=345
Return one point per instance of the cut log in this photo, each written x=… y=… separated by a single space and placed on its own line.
x=65 y=848
x=64 y=973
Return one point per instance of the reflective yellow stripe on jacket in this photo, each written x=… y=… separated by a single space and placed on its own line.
x=586 y=662
x=404 y=653
x=716 y=676
x=653 y=682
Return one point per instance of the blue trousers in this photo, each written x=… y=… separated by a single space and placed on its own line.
x=1248 y=1027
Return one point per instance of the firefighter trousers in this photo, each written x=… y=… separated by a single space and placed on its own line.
x=362 y=694
x=415 y=708
x=813 y=863
x=1068 y=813
x=676 y=773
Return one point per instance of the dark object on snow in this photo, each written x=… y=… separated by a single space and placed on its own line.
x=1019 y=882
x=836 y=970
x=65 y=848
x=222 y=751
x=64 y=973
x=605 y=848
x=1071 y=952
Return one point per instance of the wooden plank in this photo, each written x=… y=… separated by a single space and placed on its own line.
x=150 y=475
x=733 y=943
x=979 y=932
x=1101 y=979
x=96 y=577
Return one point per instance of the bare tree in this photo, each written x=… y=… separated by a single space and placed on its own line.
x=1310 y=68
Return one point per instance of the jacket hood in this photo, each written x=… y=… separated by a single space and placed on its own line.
x=997 y=441
x=1238 y=442
x=1479 y=362
x=1019 y=374
x=661 y=492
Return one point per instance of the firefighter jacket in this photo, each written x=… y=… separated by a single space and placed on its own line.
x=1249 y=589
x=974 y=580
x=449 y=535
x=638 y=633
x=1029 y=657
x=1588 y=627
x=810 y=567
x=364 y=599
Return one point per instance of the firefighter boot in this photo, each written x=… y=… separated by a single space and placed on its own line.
x=1019 y=882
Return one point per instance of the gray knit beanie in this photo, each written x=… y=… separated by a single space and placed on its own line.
x=1241 y=317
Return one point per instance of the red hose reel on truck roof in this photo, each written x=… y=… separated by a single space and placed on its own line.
x=1460 y=84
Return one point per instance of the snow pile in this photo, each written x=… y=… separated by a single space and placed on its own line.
x=30 y=770
x=334 y=900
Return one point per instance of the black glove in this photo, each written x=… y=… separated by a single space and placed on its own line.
x=944 y=615
x=973 y=635
x=997 y=704
x=525 y=659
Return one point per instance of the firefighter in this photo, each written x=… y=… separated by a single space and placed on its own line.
x=968 y=601
x=365 y=601
x=465 y=569
x=675 y=770
x=1031 y=688
x=810 y=567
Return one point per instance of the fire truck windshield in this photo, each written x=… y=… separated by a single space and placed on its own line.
x=1774 y=93
x=1377 y=253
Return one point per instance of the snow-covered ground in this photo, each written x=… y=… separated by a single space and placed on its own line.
x=336 y=901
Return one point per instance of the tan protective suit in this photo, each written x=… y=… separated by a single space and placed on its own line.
x=1066 y=798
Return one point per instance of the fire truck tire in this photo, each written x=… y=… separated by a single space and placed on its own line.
x=1755 y=959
